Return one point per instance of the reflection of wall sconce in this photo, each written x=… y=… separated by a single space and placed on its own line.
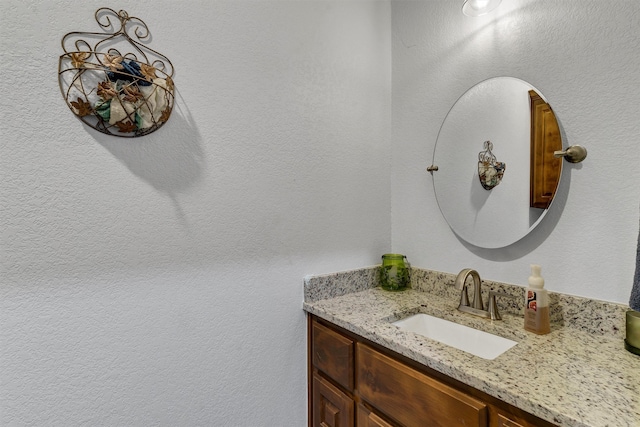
x=490 y=171
x=479 y=7
x=119 y=92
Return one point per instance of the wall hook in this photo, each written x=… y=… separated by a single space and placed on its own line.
x=573 y=154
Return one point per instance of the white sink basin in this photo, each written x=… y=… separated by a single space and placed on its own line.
x=478 y=343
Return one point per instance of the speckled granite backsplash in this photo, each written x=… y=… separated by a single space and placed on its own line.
x=592 y=316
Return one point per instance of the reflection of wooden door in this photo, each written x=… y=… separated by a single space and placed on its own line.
x=545 y=139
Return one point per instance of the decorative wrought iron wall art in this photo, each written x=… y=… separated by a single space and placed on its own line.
x=112 y=81
x=490 y=171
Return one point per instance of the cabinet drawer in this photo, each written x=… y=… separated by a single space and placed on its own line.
x=501 y=418
x=504 y=421
x=333 y=355
x=366 y=418
x=411 y=397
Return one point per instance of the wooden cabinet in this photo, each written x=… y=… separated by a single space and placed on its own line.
x=332 y=369
x=354 y=382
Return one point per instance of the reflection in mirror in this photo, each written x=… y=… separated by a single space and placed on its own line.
x=522 y=132
x=545 y=141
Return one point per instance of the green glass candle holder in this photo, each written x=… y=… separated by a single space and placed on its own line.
x=632 y=341
x=394 y=272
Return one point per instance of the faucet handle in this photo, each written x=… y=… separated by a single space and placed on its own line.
x=493 y=305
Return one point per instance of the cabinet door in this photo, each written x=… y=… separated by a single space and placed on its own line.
x=366 y=418
x=411 y=397
x=333 y=355
x=331 y=407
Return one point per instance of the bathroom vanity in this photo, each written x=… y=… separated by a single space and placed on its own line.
x=365 y=371
x=353 y=376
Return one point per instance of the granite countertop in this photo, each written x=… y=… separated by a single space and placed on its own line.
x=574 y=376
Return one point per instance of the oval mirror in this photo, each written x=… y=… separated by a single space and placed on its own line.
x=494 y=173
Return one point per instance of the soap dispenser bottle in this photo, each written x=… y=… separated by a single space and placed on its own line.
x=536 y=309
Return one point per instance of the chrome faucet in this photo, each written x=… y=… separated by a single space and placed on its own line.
x=461 y=282
x=477 y=308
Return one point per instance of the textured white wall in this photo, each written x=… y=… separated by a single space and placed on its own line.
x=584 y=56
x=158 y=281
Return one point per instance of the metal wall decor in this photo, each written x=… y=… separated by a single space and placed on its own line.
x=112 y=81
x=490 y=171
